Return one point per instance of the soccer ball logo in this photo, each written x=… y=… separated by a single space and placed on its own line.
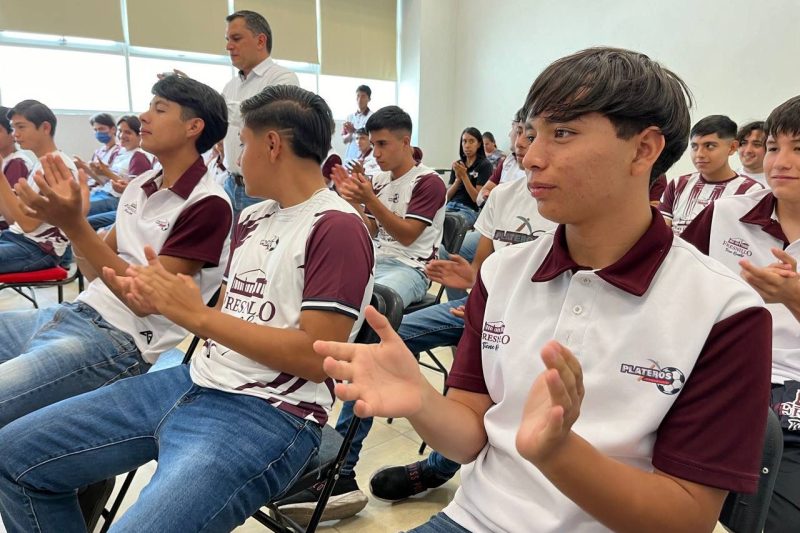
x=676 y=383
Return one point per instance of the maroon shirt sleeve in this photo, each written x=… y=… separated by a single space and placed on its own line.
x=667 y=202
x=497 y=173
x=339 y=263
x=427 y=198
x=467 y=371
x=698 y=232
x=714 y=432
x=327 y=166
x=139 y=164
x=15 y=170
x=200 y=231
x=658 y=187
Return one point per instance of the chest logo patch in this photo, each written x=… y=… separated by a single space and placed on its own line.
x=668 y=379
x=270 y=244
x=737 y=247
x=494 y=335
x=130 y=208
x=792 y=411
x=162 y=224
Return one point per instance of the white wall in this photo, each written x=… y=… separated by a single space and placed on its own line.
x=737 y=56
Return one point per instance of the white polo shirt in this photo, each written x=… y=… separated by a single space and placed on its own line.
x=190 y=220
x=681 y=392
x=359 y=120
x=755 y=176
x=239 y=89
x=685 y=197
x=419 y=194
x=511 y=216
x=316 y=255
x=747 y=227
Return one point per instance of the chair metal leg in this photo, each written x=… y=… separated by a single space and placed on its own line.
x=108 y=516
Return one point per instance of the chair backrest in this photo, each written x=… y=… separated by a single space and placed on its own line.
x=747 y=513
x=455 y=228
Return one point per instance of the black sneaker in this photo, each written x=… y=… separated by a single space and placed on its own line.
x=394 y=483
x=345 y=501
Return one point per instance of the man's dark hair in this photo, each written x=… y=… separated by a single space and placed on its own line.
x=103 y=119
x=132 y=121
x=473 y=132
x=489 y=135
x=256 y=23
x=301 y=116
x=723 y=126
x=5 y=123
x=36 y=112
x=364 y=89
x=520 y=115
x=361 y=131
x=784 y=119
x=197 y=100
x=390 y=118
x=630 y=89
x=747 y=129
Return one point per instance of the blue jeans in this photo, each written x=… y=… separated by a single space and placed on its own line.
x=467 y=251
x=410 y=283
x=239 y=198
x=101 y=201
x=468 y=212
x=102 y=220
x=20 y=254
x=439 y=523
x=421 y=330
x=220 y=455
x=47 y=355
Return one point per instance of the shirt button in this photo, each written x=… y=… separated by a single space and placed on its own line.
x=577 y=309
x=586 y=281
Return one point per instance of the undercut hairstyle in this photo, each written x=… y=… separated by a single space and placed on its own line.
x=132 y=121
x=364 y=89
x=35 y=112
x=390 y=118
x=5 y=123
x=256 y=23
x=784 y=119
x=722 y=125
x=628 y=88
x=472 y=132
x=747 y=129
x=197 y=100
x=489 y=135
x=104 y=119
x=300 y=116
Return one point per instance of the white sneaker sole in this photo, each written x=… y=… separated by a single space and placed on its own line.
x=338 y=508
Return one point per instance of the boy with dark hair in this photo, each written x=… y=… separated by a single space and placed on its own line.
x=55 y=353
x=237 y=427
x=758 y=235
x=355 y=121
x=403 y=206
x=105 y=131
x=712 y=142
x=656 y=432
x=752 y=148
x=15 y=163
x=31 y=243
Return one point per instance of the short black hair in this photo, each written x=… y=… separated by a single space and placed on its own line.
x=722 y=125
x=36 y=112
x=103 y=119
x=749 y=128
x=489 y=135
x=784 y=119
x=391 y=118
x=132 y=121
x=630 y=89
x=520 y=115
x=364 y=89
x=255 y=22
x=302 y=116
x=474 y=132
x=197 y=100
x=5 y=123
x=362 y=131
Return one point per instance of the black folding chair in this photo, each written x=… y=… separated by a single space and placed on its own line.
x=747 y=513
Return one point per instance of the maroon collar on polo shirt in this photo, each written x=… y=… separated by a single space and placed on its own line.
x=761 y=215
x=185 y=184
x=633 y=273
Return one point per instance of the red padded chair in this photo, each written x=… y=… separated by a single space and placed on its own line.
x=37 y=279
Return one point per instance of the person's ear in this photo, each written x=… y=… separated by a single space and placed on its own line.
x=194 y=127
x=734 y=147
x=274 y=145
x=649 y=145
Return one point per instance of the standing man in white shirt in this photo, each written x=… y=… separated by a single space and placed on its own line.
x=249 y=43
x=356 y=121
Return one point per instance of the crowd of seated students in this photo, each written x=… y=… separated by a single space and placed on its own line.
x=565 y=376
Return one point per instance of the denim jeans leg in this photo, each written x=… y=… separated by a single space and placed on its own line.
x=102 y=220
x=432 y=327
x=101 y=201
x=443 y=467
x=20 y=254
x=345 y=417
x=72 y=350
x=410 y=283
x=439 y=523
x=238 y=196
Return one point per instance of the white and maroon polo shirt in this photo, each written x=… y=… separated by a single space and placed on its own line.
x=316 y=255
x=511 y=216
x=49 y=238
x=128 y=164
x=419 y=194
x=688 y=195
x=105 y=154
x=18 y=165
x=746 y=227
x=681 y=392
x=190 y=220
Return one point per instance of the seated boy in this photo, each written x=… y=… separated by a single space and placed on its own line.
x=752 y=138
x=713 y=141
x=403 y=206
x=235 y=429
x=55 y=353
x=758 y=234
x=620 y=423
